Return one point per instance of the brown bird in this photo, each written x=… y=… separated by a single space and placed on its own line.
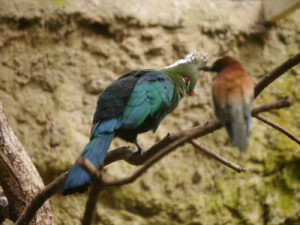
x=232 y=92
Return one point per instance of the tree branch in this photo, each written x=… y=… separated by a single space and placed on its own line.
x=277 y=127
x=155 y=158
x=217 y=157
x=97 y=186
x=196 y=132
x=91 y=204
x=19 y=178
x=99 y=183
x=122 y=153
x=164 y=151
x=277 y=72
x=92 y=170
x=37 y=201
x=281 y=103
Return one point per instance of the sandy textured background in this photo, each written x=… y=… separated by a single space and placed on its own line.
x=57 y=56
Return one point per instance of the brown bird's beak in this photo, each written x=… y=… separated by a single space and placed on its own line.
x=206 y=68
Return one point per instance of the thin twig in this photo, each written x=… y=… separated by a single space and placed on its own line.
x=122 y=153
x=277 y=72
x=37 y=202
x=97 y=186
x=91 y=204
x=166 y=150
x=279 y=104
x=90 y=168
x=217 y=157
x=277 y=127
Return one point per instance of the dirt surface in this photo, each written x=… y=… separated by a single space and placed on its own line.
x=57 y=56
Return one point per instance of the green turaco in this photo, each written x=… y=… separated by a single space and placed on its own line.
x=134 y=103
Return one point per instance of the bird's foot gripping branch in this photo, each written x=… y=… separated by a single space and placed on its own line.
x=154 y=154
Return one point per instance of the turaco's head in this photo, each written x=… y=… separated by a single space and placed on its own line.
x=185 y=72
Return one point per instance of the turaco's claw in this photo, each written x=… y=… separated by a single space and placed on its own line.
x=140 y=151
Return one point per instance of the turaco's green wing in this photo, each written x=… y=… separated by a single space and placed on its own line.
x=151 y=97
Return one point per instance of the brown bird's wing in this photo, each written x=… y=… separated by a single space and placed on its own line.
x=232 y=87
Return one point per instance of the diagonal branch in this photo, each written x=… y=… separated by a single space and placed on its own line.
x=122 y=153
x=275 y=73
x=198 y=131
x=37 y=201
x=277 y=127
x=90 y=168
x=217 y=157
x=99 y=183
x=159 y=155
x=279 y=104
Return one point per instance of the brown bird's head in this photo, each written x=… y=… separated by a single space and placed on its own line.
x=222 y=63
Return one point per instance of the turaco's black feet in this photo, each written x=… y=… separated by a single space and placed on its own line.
x=140 y=151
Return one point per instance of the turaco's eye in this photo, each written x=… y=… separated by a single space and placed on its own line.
x=186 y=80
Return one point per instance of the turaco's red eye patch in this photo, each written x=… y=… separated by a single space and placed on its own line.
x=186 y=80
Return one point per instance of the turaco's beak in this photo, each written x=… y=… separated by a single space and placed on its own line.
x=191 y=93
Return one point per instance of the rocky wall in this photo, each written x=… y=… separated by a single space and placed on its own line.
x=57 y=56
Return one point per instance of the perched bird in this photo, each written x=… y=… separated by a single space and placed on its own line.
x=133 y=104
x=232 y=92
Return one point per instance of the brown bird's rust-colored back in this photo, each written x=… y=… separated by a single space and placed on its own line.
x=232 y=84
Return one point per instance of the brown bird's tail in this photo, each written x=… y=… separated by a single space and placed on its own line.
x=237 y=126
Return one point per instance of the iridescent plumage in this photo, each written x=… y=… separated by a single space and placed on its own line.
x=133 y=104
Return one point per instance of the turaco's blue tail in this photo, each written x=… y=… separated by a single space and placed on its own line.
x=78 y=180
